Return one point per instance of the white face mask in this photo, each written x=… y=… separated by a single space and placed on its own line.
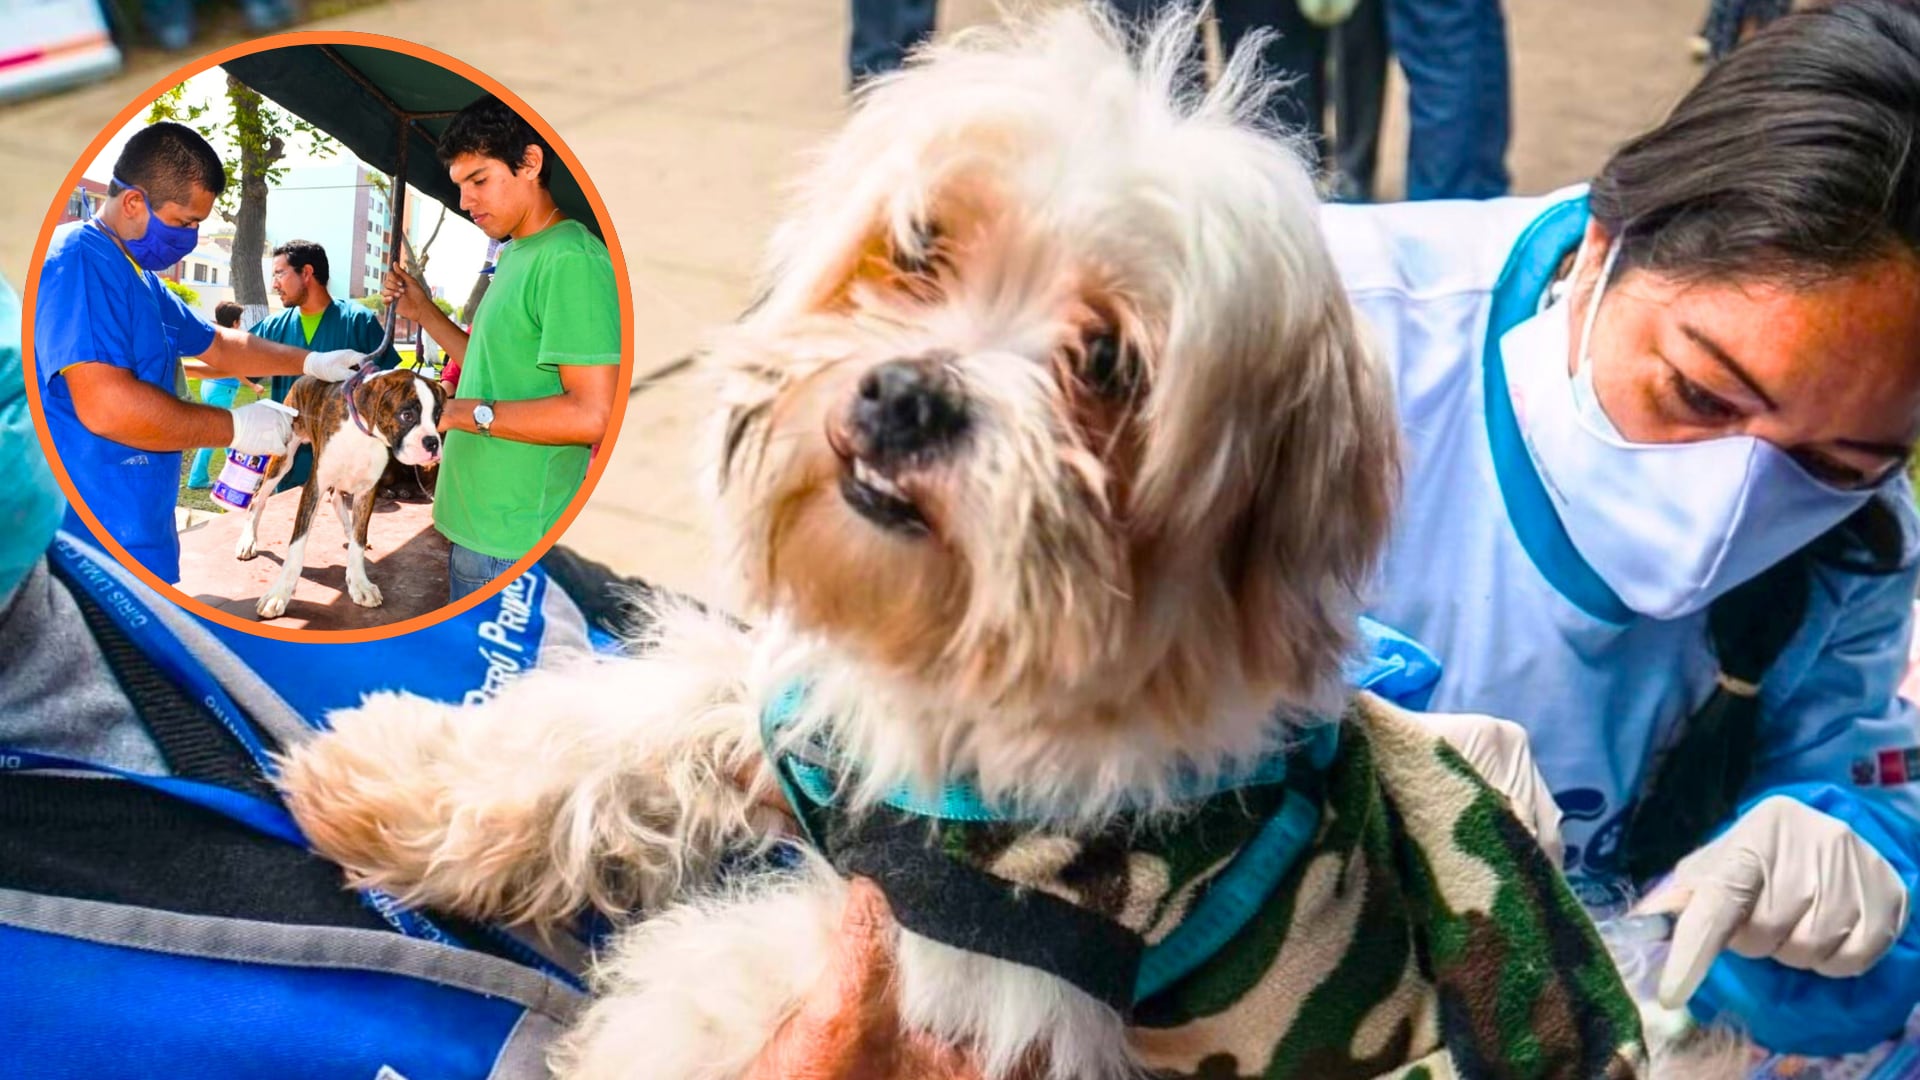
x=1668 y=526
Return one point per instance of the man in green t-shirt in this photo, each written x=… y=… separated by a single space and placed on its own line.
x=541 y=368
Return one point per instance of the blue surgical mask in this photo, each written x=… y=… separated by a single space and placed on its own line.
x=30 y=502
x=164 y=244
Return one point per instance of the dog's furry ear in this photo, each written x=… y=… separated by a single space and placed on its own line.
x=1306 y=543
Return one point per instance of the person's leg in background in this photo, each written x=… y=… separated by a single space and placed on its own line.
x=883 y=32
x=469 y=571
x=1454 y=54
x=1360 y=58
x=169 y=21
x=220 y=394
x=1729 y=22
x=1297 y=52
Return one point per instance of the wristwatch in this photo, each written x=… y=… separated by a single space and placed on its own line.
x=483 y=418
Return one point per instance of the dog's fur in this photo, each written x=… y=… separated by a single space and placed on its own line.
x=402 y=412
x=1111 y=575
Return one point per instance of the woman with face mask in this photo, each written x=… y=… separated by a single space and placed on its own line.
x=1656 y=510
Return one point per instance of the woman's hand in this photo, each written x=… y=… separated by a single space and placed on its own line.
x=1498 y=750
x=849 y=1026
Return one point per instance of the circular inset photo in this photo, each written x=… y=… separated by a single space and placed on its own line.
x=327 y=335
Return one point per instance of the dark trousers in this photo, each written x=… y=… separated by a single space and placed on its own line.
x=1360 y=58
x=1459 y=98
x=1726 y=18
x=884 y=31
x=1298 y=53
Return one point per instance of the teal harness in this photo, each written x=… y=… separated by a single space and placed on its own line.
x=926 y=853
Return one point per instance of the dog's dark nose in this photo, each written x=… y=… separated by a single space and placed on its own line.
x=431 y=442
x=908 y=407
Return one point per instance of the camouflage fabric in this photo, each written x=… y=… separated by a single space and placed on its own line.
x=1421 y=934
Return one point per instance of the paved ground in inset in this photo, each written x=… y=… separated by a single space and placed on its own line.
x=406 y=561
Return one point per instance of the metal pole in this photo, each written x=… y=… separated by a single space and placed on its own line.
x=398 y=208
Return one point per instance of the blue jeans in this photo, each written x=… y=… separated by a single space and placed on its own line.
x=1459 y=101
x=218 y=393
x=883 y=32
x=468 y=571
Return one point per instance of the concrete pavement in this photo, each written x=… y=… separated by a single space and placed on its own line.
x=688 y=115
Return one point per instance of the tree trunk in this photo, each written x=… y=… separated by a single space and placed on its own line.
x=257 y=155
x=480 y=284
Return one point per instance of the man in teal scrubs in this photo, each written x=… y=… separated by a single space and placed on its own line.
x=313 y=319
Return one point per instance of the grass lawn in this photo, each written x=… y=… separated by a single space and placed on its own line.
x=202 y=500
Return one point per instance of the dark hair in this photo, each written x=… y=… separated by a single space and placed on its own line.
x=1797 y=158
x=301 y=253
x=227 y=313
x=166 y=160
x=490 y=128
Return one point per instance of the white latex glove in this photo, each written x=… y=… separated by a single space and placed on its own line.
x=334 y=366
x=259 y=428
x=1786 y=882
x=1499 y=751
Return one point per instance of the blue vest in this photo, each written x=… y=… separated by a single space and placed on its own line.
x=92 y=989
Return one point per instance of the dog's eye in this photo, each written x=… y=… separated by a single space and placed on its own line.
x=408 y=415
x=1108 y=367
x=924 y=253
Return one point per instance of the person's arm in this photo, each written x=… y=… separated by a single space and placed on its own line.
x=848 y=1028
x=416 y=302
x=1834 y=718
x=224 y=351
x=575 y=417
x=238 y=353
x=115 y=405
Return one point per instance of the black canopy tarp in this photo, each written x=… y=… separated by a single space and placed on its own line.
x=364 y=113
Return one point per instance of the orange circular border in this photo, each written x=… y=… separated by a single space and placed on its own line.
x=419 y=52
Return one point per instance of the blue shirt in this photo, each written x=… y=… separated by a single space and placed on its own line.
x=95 y=306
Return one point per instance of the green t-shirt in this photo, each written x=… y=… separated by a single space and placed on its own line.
x=551 y=304
x=310 y=323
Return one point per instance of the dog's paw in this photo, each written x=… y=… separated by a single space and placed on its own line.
x=364 y=592
x=274 y=604
x=245 y=549
x=366 y=793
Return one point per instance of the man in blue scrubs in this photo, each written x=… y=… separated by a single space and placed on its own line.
x=108 y=338
x=313 y=319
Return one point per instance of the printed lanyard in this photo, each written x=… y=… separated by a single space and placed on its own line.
x=138 y=621
x=260 y=816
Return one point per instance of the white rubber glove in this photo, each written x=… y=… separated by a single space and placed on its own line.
x=259 y=428
x=1499 y=751
x=1786 y=882
x=334 y=366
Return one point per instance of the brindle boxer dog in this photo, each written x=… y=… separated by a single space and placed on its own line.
x=355 y=427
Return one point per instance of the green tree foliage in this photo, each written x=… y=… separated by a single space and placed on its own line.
x=252 y=137
x=186 y=293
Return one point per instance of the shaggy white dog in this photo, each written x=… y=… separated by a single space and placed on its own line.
x=1052 y=459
